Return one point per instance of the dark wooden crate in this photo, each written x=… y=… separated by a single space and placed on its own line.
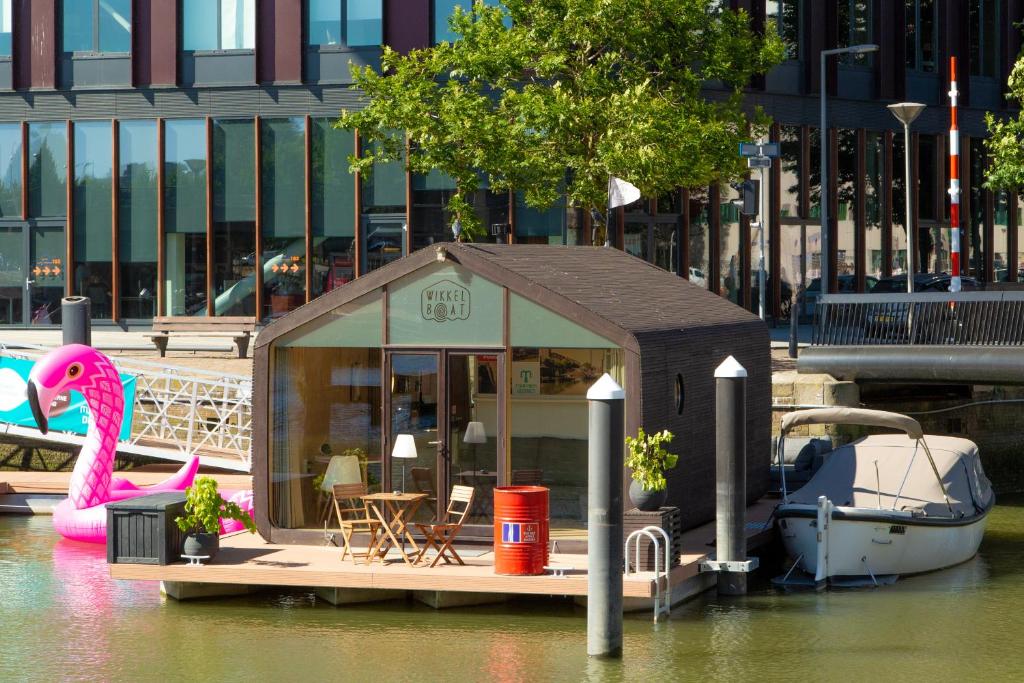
x=668 y=518
x=142 y=530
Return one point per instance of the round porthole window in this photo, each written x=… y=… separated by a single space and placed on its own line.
x=679 y=394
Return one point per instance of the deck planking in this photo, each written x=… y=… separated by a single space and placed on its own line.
x=56 y=483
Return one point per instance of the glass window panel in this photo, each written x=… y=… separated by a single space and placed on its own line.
x=792 y=171
x=846 y=209
x=700 y=244
x=874 y=166
x=234 y=217
x=364 y=23
x=730 y=284
x=47 y=248
x=784 y=15
x=445 y=304
x=384 y=190
x=431 y=220
x=634 y=238
x=855 y=29
x=1000 y=237
x=534 y=226
x=332 y=206
x=199 y=24
x=47 y=169
x=12 y=275
x=77 y=24
x=324 y=22
x=137 y=214
x=185 y=216
x=10 y=170
x=283 y=178
x=927 y=33
x=6 y=28
x=927 y=173
x=237 y=24
x=443 y=10
x=115 y=25
x=899 y=231
x=548 y=422
x=326 y=408
x=813 y=173
x=355 y=324
x=93 y=211
x=531 y=324
x=576 y=232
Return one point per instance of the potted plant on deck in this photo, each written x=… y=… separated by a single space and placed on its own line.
x=648 y=461
x=204 y=508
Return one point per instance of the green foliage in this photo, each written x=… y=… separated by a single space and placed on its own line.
x=648 y=459
x=1006 y=142
x=204 y=508
x=553 y=96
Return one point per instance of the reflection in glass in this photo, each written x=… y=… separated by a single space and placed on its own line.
x=700 y=245
x=784 y=15
x=46 y=250
x=874 y=166
x=414 y=410
x=443 y=10
x=846 y=208
x=234 y=218
x=47 y=169
x=473 y=430
x=730 y=268
x=93 y=249
x=6 y=28
x=218 y=24
x=137 y=213
x=1000 y=243
x=326 y=408
x=185 y=216
x=855 y=29
x=345 y=22
x=899 y=203
x=12 y=275
x=10 y=170
x=282 y=178
x=332 y=211
x=536 y=226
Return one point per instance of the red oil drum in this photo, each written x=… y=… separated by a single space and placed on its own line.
x=520 y=530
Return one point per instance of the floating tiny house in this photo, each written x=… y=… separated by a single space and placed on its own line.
x=483 y=354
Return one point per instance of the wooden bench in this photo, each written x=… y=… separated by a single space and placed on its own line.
x=239 y=329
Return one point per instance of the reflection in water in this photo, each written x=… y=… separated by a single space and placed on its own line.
x=70 y=621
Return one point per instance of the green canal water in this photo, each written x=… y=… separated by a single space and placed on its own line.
x=62 y=618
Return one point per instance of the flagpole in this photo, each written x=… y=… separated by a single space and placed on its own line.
x=608 y=213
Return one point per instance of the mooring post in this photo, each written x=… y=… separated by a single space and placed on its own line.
x=794 y=326
x=731 y=473
x=75 y=320
x=604 y=518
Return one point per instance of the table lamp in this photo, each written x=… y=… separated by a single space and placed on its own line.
x=474 y=435
x=405 y=448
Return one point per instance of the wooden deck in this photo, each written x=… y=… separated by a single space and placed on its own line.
x=245 y=559
x=56 y=483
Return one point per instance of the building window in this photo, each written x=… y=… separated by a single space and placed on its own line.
x=922 y=25
x=352 y=23
x=282 y=181
x=332 y=206
x=218 y=25
x=10 y=170
x=137 y=224
x=92 y=214
x=443 y=10
x=97 y=26
x=234 y=217
x=984 y=18
x=855 y=29
x=874 y=169
x=47 y=169
x=185 y=217
x=6 y=28
x=785 y=16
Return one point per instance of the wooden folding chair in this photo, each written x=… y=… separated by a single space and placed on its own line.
x=441 y=536
x=356 y=519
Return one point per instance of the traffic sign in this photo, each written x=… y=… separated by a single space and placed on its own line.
x=759 y=162
x=753 y=149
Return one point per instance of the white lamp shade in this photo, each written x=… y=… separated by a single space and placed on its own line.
x=475 y=433
x=405 y=447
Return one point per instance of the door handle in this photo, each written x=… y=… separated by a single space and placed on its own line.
x=29 y=282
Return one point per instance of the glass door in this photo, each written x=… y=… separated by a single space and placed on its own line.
x=13 y=275
x=46 y=275
x=414 y=446
x=474 y=434
x=665 y=243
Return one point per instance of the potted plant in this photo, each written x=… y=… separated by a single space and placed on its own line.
x=648 y=461
x=204 y=508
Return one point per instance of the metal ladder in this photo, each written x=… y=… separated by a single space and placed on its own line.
x=662 y=598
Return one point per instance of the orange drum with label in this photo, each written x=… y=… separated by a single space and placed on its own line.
x=520 y=530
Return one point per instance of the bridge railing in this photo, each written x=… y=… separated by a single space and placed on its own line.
x=182 y=410
x=926 y=319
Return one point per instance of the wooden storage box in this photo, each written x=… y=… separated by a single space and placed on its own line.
x=668 y=518
x=142 y=530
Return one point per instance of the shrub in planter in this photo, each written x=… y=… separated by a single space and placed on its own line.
x=204 y=509
x=648 y=461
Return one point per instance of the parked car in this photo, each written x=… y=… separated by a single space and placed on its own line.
x=885 y=320
x=923 y=282
x=847 y=285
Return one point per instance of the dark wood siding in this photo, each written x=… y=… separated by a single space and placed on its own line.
x=279 y=41
x=407 y=24
x=35 y=36
x=155 y=42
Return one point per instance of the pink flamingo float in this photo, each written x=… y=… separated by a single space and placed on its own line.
x=83 y=515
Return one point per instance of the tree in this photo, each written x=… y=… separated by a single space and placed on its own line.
x=1005 y=145
x=552 y=97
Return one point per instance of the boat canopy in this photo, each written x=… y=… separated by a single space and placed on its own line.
x=904 y=479
x=853 y=416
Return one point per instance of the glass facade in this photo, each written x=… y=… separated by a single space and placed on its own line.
x=351 y=23
x=855 y=28
x=185 y=217
x=10 y=170
x=96 y=26
x=47 y=169
x=784 y=15
x=6 y=28
x=983 y=19
x=283 y=221
x=137 y=218
x=730 y=264
x=218 y=25
x=332 y=206
x=874 y=170
x=845 y=211
x=442 y=10
x=93 y=210
x=234 y=217
x=921 y=35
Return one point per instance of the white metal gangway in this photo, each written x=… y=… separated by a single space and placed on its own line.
x=177 y=413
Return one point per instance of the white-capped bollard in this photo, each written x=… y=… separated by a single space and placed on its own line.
x=731 y=475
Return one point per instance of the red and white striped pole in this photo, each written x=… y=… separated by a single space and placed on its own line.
x=954 y=181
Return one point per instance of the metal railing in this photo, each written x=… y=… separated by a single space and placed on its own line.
x=180 y=412
x=932 y=319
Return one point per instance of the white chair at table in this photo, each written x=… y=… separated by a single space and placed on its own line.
x=342 y=469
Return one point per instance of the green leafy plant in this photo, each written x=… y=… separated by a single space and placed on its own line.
x=648 y=459
x=204 y=508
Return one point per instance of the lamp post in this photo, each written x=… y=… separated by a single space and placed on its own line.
x=823 y=144
x=906 y=112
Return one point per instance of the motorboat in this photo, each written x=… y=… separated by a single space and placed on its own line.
x=884 y=505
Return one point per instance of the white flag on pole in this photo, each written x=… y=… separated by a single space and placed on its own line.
x=621 y=192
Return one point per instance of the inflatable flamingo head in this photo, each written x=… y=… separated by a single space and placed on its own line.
x=65 y=368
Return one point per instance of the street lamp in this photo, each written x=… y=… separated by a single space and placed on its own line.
x=823 y=144
x=906 y=112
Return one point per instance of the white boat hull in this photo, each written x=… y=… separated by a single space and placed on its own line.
x=851 y=547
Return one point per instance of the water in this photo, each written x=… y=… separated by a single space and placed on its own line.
x=62 y=618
